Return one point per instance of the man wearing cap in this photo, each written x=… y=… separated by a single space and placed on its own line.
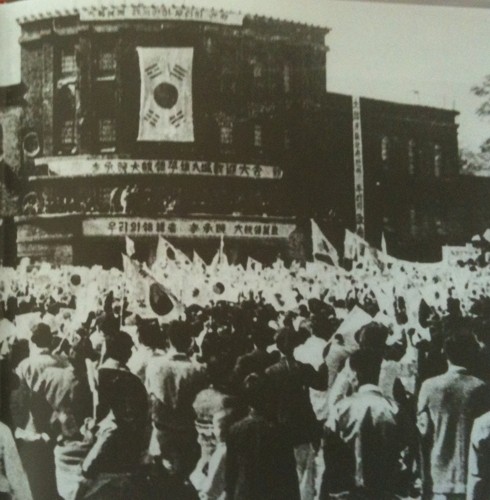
x=173 y=381
x=36 y=448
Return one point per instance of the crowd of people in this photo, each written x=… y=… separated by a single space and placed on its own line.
x=194 y=381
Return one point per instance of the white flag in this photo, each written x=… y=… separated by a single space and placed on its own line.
x=166 y=94
x=323 y=250
x=130 y=248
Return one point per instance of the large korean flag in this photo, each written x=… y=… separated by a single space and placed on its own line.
x=166 y=94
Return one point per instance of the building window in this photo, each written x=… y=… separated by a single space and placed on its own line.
x=107 y=131
x=106 y=63
x=68 y=62
x=258 y=70
x=68 y=132
x=385 y=148
x=287 y=78
x=258 y=136
x=437 y=160
x=411 y=157
x=287 y=139
x=226 y=134
x=413 y=222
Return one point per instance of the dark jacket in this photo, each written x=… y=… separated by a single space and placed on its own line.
x=256 y=361
x=260 y=463
x=288 y=384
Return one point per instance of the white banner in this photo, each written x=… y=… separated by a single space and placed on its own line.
x=159 y=12
x=74 y=166
x=192 y=228
x=358 y=167
x=166 y=94
x=453 y=254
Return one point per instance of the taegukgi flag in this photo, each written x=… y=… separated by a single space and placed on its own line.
x=166 y=94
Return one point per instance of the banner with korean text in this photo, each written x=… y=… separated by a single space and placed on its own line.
x=80 y=166
x=188 y=227
x=358 y=167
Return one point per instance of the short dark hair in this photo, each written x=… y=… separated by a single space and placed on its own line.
x=372 y=336
x=179 y=335
x=461 y=349
x=366 y=363
x=119 y=346
x=41 y=335
x=287 y=340
x=149 y=333
x=107 y=324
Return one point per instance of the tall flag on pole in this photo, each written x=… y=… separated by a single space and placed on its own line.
x=220 y=258
x=166 y=94
x=130 y=248
x=323 y=250
x=384 y=248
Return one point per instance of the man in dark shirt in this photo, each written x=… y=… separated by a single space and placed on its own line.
x=256 y=361
x=288 y=384
x=260 y=462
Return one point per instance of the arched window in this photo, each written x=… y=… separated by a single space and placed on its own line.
x=65 y=113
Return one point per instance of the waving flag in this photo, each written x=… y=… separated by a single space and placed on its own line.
x=166 y=94
x=323 y=250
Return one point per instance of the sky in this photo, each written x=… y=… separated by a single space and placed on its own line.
x=418 y=54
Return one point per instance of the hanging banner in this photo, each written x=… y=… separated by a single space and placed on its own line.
x=79 y=166
x=191 y=228
x=358 y=167
x=166 y=94
x=159 y=12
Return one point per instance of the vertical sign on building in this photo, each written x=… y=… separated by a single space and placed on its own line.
x=358 y=166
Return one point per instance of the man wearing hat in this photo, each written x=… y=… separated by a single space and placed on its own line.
x=173 y=381
x=36 y=449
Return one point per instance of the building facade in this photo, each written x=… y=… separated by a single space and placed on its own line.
x=410 y=174
x=196 y=124
x=228 y=98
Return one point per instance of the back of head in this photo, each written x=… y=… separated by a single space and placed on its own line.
x=373 y=336
x=149 y=333
x=461 y=349
x=287 y=340
x=260 y=337
x=255 y=393
x=119 y=347
x=41 y=336
x=107 y=324
x=179 y=335
x=366 y=363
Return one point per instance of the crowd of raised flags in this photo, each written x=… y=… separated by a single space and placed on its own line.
x=182 y=281
x=338 y=297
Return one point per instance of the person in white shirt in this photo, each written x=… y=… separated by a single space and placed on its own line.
x=13 y=479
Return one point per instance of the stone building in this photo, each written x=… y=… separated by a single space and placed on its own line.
x=149 y=117
x=197 y=123
x=411 y=173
